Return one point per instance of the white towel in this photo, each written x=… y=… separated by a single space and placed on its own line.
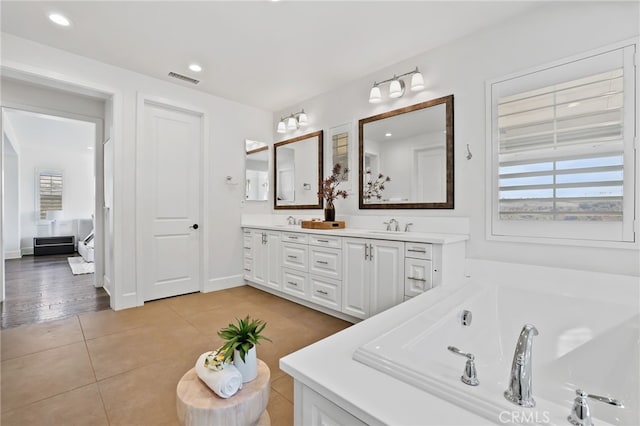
x=225 y=383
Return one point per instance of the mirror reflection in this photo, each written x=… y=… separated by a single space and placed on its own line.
x=256 y=171
x=297 y=172
x=406 y=157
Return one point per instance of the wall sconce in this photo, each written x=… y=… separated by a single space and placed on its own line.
x=396 y=86
x=292 y=122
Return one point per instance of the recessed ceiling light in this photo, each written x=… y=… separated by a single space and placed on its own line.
x=90 y=148
x=195 y=67
x=573 y=104
x=387 y=134
x=59 y=19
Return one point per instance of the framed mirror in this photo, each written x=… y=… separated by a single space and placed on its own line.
x=298 y=172
x=413 y=147
x=256 y=180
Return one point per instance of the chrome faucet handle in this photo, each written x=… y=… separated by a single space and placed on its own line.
x=388 y=225
x=581 y=412
x=291 y=220
x=406 y=227
x=470 y=375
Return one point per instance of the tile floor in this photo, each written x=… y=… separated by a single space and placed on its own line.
x=121 y=368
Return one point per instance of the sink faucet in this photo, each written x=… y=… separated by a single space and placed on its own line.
x=407 y=226
x=519 y=391
x=291 y=220
x=394 y=223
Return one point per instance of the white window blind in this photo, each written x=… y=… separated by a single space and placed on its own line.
x=563 y=150
x=49 y=192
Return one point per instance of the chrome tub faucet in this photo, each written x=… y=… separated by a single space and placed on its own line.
x=519 y=391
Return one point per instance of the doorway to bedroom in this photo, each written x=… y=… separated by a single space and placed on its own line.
x=50 y=195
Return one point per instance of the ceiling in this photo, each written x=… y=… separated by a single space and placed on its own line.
x=268 y=54
x=38 y=130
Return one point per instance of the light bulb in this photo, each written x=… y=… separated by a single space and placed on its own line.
x=282 y=128
x=374 y=95
x=292 y=124
x=303 y=119
x=396 y=88
x=417 y=82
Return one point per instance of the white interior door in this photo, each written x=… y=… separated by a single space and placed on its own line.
x=171 y=193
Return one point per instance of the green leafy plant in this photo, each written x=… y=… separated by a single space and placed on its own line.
x=242 y=336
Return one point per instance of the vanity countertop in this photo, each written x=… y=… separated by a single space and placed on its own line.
x=414 y=237
x=327 y=367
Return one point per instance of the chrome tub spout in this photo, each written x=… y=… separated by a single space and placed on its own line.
x=519 y=391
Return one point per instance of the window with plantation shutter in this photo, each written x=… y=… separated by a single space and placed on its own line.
x=563 y=153
x=340 y=142
x=49 y=192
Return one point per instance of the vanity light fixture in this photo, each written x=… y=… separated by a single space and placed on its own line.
x=292 y=121
x=397 y=86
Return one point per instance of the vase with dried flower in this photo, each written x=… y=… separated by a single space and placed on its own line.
x=374 y=187
x=329 y=190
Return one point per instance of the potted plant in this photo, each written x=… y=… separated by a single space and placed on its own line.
x=240 y=345
x=329 y=190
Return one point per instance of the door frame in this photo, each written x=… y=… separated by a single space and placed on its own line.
x=144 y=99
x=77 y=86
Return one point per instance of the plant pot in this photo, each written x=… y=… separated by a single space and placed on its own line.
x=249 y=367
x=330 y=214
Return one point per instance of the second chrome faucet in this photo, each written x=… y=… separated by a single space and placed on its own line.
x=519 y=390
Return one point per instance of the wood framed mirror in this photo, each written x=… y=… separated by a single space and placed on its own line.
x=413 y=146
x=298 y=172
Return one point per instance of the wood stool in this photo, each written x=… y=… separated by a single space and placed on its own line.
x=198 y=405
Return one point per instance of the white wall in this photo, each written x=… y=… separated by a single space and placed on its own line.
x=11 y=195
x=550 y=32
x=230 y=123
x=78 y=197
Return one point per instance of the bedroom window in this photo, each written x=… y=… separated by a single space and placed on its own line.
x=562 y=156
x=49 y=192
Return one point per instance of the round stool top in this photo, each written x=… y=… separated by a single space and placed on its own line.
x=197 y=404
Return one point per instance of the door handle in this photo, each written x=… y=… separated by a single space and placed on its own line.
x=194 y=226
x=366 y=252
x=370 y=251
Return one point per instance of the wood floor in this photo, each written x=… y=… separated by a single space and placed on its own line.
x=42 y=288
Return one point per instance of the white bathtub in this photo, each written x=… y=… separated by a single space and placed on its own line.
x=583 y=343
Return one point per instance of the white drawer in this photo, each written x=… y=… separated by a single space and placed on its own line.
x=295 y=256
x=294 y=283
x=247 y=252
x=417 y=250
x=247 y=268
x=417 y=276
x=246 y=242
x=326 y=262
x=294 y=237
x=325 y=241
x=326 y=292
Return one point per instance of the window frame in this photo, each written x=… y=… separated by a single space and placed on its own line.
x=567 y=232
x=40 y=172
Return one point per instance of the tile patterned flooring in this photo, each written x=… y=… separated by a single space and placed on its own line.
x=121 y=368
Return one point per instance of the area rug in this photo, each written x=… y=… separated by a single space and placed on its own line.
x=79 y=266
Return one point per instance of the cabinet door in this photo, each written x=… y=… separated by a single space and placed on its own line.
x=273 y=265
x=319 y=411
x=417 y=278
x=387 y=274
x=355 y=285
x=259 y=252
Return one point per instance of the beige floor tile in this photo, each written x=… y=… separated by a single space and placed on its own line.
x=79 y=407
x=280 y=410
x=103 y=323
x=44 y=374
x=284 y=386
x=192 y=304
x=144 y=396
x=33 y=338
x=117 y=353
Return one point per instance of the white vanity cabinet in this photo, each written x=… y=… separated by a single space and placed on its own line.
x=295 y=260
x=373 y=275
x=262 y=257
x=418 y=268
x=325 y=271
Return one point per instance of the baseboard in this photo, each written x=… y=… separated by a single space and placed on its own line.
x=27 y=251
x=223 y=283
x=13 y=254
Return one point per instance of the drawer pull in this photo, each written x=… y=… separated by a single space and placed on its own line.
x=323 y=241
x=417 y=279
x=292 y=283
x=292 y=257
x=247 y=269
x=417 y=251
x=292 y=237
x=248 y=248
x=322 y=292
x=322 y=262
